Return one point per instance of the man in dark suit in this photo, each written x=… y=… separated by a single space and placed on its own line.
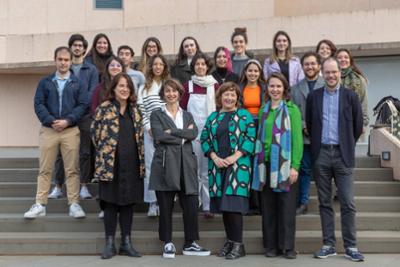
x=334 y=121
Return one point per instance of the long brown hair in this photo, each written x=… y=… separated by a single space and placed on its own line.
x=150 y=74
x=181 y=54
x=144 y=56
x=353 y=65
x=274 y=56
x=98 y=60
x=111 y=93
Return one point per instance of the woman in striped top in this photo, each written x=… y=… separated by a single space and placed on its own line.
x=148 y=101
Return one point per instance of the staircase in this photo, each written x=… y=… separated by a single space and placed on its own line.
x=377 y=202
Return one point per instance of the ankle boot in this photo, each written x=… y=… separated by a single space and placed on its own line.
x=127 y=249
x=109 y=249
x=236 y=252
x=225 y=249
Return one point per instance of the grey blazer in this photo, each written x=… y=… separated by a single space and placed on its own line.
x=173 y=158
x=299 y=94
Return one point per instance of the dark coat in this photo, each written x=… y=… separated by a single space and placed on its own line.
x=181 y=71
x=350 y=123
x=229 y=77
x=104 y=132
x=46 y=102
x=171 y=157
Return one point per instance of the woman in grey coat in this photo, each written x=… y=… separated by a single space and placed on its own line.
x=174 y=169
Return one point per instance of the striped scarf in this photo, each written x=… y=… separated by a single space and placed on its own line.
x=280 y=151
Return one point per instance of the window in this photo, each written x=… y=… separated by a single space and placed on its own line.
x=108 y=4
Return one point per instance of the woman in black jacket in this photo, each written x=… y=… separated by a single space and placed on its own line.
x=174 y=169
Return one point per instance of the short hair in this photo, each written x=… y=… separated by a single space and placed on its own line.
x=240 y=32
x=201 y=56
x=174 y=84
x=227 y=86
x=62 y=48
x=126 y=47
x=311 y=54
x=111 y=92
x=329 y=43
x=330 y=59
x=228 y=57
x=285 y=83
x=78 y=37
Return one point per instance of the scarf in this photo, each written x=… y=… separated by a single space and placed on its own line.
x=208 y=82
x=280 y=151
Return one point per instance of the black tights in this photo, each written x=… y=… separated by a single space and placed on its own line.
x=233 y=222
x=110 y=218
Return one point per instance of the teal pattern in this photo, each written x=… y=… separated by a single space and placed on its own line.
x=242 y=135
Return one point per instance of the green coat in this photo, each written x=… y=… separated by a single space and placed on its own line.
x=242 y=134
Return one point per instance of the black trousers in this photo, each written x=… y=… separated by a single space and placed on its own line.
x=278 y=210
x=86 y=155
x=233 y=223
x=330 y=164
x=189 y=205
x=111 y=218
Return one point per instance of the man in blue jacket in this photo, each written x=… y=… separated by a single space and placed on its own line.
x=60 y=101
x=89 y=78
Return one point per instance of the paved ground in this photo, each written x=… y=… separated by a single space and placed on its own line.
x=373 y=260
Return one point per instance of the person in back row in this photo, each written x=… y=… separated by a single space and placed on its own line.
x=240 y=56
x=60 y=102
x=100 y=53
x=126 y=54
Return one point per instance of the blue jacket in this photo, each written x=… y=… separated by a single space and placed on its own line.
x=89 y=78
x=46 y=103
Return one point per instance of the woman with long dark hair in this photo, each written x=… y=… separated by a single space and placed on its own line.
x=148 y=101
x=181 y=70
x=117 y=134
x=100 y=53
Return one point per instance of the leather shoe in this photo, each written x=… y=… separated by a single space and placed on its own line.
x=302 y=209
x=225 y=249
x=290 y=254
x=236 y=252
x=271 y=253
x=109 y=249
x=127 y=249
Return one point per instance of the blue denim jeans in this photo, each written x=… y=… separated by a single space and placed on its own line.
x=305 y=175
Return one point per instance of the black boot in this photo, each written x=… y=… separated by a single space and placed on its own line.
x=225 y=249
x=127 y=249
x=236 y=252
x=109 y=249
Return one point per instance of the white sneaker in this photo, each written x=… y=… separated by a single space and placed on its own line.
x=169 y=251
x=76 y=211
x=37 y=210
x=84 y=193
x=101 y=214
x=55 y=193
x=153 y=210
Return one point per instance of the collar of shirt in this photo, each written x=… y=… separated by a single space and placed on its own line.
x=57 y=76
x=330 y=92
x=179 y=113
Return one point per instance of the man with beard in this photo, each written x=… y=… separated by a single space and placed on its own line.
x=311 y=64
x=335 y=122
x=89 y=78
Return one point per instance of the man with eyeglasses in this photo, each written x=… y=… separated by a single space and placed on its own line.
x=335 y=122
x=89 y=78
x=311 y=64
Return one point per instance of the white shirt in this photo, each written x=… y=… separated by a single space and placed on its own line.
x=178 y=120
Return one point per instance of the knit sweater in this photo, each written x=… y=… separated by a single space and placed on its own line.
x=148 y=101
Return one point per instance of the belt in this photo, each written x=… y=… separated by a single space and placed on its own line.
x=329 y=146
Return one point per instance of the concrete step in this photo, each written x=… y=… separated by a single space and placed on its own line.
x=375 y=221
x=362 y=188
x=7 y=163
x=30 y=174
x=56 y=243
x=22 y=204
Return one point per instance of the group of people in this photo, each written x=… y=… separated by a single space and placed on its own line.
x=235 y=139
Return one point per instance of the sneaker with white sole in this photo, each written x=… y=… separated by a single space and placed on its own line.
x=55 y=193
x=37 y=210
x=76 y=211
x=169 y=251
x=84 y=193
x=153 y=210
x=195 y=250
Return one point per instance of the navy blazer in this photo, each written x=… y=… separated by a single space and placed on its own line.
x=350 y=123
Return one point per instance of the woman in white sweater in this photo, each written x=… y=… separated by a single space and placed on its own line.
x=149 y=100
